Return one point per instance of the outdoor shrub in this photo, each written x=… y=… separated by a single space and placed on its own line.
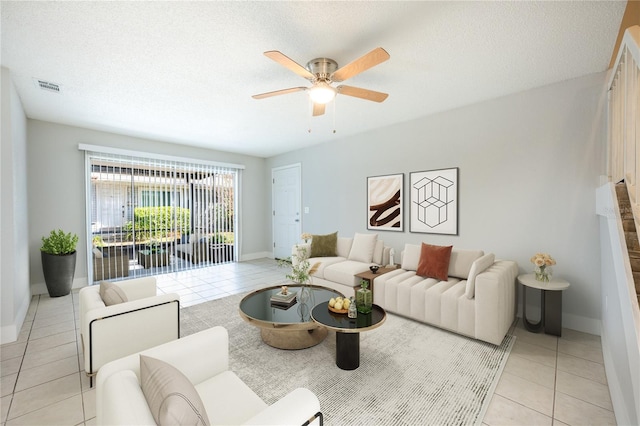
x=157 y=222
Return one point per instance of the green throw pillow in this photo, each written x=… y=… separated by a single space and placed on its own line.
x=324 y=245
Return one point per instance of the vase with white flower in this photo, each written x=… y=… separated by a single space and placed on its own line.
x=301 y=272
x=543 y=263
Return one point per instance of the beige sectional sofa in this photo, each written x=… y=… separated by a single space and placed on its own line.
x=338 y=272
x=478 y=299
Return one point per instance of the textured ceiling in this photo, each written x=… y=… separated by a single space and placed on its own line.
x=184 y=72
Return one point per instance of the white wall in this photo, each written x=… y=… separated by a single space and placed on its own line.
x=56 y=191
x=620 y=338
x=529 y=165
x=14 y=233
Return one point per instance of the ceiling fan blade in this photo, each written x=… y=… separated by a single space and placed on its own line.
x=289 y=63
x=318 y=109
x=370 y=95
x=278 y=92
x=363 y=63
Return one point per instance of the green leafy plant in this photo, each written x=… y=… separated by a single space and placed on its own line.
x=301 y=269
x=98 y=241
x=59 y=243
x=154 y=246
x=218 y=238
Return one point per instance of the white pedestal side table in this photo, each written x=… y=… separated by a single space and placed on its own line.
x=550 y=304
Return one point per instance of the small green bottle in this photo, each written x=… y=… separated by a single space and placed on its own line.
x=364 y=298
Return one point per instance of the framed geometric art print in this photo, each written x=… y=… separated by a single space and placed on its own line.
x=434 y=201
x=384 y=202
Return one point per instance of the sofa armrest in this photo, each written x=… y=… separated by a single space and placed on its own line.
x=123 y=402
x=118 y=330
x=495 y=299
x=199 y=356
x=295 y=408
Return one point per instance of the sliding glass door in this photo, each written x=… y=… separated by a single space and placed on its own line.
x=152 y=216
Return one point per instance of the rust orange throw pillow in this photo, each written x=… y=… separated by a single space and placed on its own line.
x=434 y=261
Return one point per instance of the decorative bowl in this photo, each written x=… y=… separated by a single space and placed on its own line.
x=337 y=311
x=374 y=268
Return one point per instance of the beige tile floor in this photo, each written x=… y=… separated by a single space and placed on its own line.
x=547 y=380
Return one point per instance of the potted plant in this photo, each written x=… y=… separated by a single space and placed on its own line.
x=58 y=254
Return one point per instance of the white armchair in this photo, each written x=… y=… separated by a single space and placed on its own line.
x=204 y=359
x=110 y=332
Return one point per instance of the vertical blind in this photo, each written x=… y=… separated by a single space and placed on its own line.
x=157 y=215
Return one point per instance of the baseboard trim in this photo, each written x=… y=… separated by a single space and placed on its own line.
x=41 y=288
x=254 y=256
x=9 y=333
x=574 y=322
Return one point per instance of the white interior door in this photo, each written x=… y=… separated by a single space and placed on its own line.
x=286 y=201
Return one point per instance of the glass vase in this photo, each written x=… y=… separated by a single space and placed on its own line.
x=306 y=301
x=543 y=273
x=364 y=299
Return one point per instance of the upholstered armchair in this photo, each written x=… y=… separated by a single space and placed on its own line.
x=139 y=319
x=193 y=384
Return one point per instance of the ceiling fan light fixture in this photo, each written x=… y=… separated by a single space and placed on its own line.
x=322 y=93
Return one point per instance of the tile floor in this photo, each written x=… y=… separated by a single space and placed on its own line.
x=547 y=380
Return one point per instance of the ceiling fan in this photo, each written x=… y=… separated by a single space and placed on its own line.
x=324 y=71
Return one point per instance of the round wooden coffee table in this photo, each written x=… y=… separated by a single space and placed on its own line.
x=290 y=328
x=348 y=331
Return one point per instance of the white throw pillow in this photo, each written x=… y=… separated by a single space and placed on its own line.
x=411 y=257
x=478 y=267
x=363 y=247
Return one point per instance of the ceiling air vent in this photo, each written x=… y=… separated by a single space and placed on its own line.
x=47 y=85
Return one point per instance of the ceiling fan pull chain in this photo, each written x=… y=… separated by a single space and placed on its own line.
x=335 y=101
x=310 y=115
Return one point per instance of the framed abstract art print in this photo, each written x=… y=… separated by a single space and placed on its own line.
x=384 y=203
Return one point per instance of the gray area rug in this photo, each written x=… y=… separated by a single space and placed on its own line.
x=410 y=373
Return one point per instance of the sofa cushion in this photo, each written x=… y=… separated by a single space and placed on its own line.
x=411 y=257
x=378 y=253
x=461 y=261
x=111 y=294
x=344 y=272
x=363 y=247
x=229 y=401
x=323 y=262
x=434 y=261
x=171 y=397
x=478 y=266
x=324 y=245
x=344 y=246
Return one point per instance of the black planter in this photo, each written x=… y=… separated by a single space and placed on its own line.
x=58 y=272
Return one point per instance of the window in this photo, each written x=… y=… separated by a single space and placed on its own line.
x=152 y=215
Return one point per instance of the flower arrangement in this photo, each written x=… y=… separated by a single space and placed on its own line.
x=543 y=262
x=306 y=236
x=301 y=272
